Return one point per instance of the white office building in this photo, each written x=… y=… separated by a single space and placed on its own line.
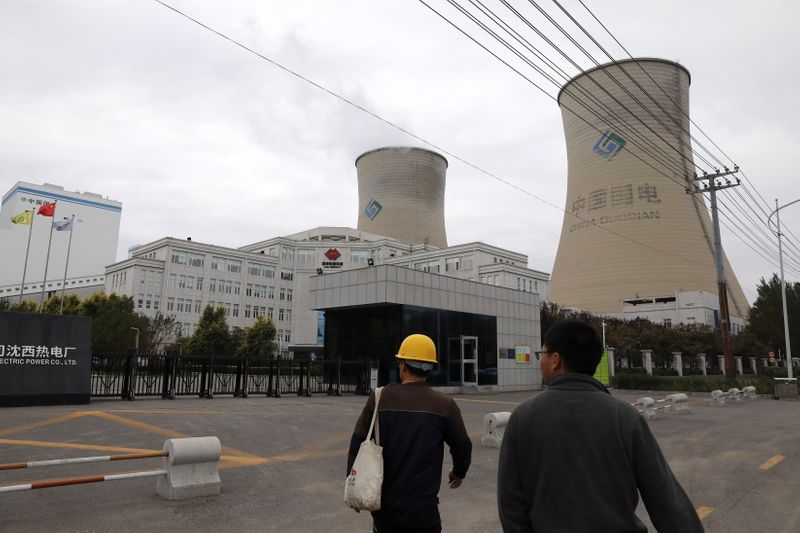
x=681 y=307
x=95 y=233
x=272 y=278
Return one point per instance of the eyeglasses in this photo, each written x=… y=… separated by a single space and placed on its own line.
x=540 y=352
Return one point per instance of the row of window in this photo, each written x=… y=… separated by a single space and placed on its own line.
x=267 y=292
x=313 y=255
x=148 y=301
x=259 y=270
x=451 y=264
x=118 y=280
x=224 y=264
x=150 y=277
x=527 y=285
x=256 y=311
x=181 y=257
x=187 y=305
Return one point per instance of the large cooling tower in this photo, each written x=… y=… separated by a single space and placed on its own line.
x=628 y=229
x=401 y=194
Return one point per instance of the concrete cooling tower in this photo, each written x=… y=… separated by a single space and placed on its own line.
x=660 y=239
x=401 y=194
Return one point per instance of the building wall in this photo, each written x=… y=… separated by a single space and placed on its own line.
x=94 y=236
x=158 y=283
x=517 y=312
x=663 y=237
x=684 y=307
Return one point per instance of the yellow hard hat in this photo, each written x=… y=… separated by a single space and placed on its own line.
x=418 y=348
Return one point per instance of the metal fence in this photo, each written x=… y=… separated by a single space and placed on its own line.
x=128 y=376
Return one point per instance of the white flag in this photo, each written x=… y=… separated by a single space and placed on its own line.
x=63 y=225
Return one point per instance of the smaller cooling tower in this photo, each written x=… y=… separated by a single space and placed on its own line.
x=401 y=194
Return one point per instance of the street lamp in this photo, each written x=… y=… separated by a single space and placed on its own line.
x=783 y=282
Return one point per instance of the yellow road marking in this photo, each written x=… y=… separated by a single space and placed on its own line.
x=703 y=512
x=305 y=456
x=72 y=445
x=150 y=428
x=327 y=442
x=42 y=423
x=772 y=461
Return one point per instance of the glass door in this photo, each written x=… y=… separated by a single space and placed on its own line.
x=469 y=361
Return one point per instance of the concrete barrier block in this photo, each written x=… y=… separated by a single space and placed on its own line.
x=717 y=398
x=192 y=468
x=495 y=428
x=646 y=407
x=734 y=394
x=677 y=404
x=749 y=393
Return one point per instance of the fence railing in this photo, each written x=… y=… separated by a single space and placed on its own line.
x=127 y=376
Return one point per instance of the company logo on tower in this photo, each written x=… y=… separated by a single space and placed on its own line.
x=333 y=254
x=372 y=209
x=609 y=144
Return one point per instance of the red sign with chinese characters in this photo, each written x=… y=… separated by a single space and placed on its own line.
x=333 y=254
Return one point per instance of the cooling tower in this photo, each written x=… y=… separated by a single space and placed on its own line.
x=628 y=229
x=401 y=194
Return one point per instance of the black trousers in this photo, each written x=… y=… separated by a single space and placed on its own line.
x=407 y=521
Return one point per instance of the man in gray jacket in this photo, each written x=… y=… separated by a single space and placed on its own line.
x=576 y=459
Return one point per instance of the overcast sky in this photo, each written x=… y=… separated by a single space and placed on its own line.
x=198 y=138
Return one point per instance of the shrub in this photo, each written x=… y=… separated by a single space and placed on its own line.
x=665 y=372
x=632 y=371
x=774 y=372
x=763 y=385
x=714 y=372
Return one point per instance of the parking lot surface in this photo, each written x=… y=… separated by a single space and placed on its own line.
x=283 y=465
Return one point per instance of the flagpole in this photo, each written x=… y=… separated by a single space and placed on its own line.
x=27 y=250
x=66 y=264
x=47 y=260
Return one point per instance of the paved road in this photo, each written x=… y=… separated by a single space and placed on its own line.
x=284 y=464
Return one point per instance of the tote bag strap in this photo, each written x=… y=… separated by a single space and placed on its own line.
x=375 y=422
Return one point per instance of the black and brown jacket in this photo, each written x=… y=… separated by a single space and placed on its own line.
x=415 y=423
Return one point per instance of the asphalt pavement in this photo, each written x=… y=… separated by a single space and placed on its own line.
x=283 y=465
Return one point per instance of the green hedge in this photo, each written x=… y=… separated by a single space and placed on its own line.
x=763 y=384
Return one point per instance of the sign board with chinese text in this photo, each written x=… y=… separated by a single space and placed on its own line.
x=44 y=359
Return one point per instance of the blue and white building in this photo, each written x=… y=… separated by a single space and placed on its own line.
x=94 y=240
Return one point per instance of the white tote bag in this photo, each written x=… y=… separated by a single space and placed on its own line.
x=362 y=490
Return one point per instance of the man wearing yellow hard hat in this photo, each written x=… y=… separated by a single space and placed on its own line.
x=415 y=422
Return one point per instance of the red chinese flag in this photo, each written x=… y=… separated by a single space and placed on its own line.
x=47 y=210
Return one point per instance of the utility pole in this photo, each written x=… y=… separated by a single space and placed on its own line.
x=709 y=183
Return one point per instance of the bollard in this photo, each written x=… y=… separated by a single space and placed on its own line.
x=495 y=428
x=734 y=394
x=749 y=392
x=647 y=409
x=192 y=468
x=677 y=404
x=717 y=398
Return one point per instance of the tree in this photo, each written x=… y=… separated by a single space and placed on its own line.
x=158 y=332
x=260 y=337
x=112 y=319
x=549 y=314
x=71 y=305
x=212 y=335
x=25 y=307
x=766 y=315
